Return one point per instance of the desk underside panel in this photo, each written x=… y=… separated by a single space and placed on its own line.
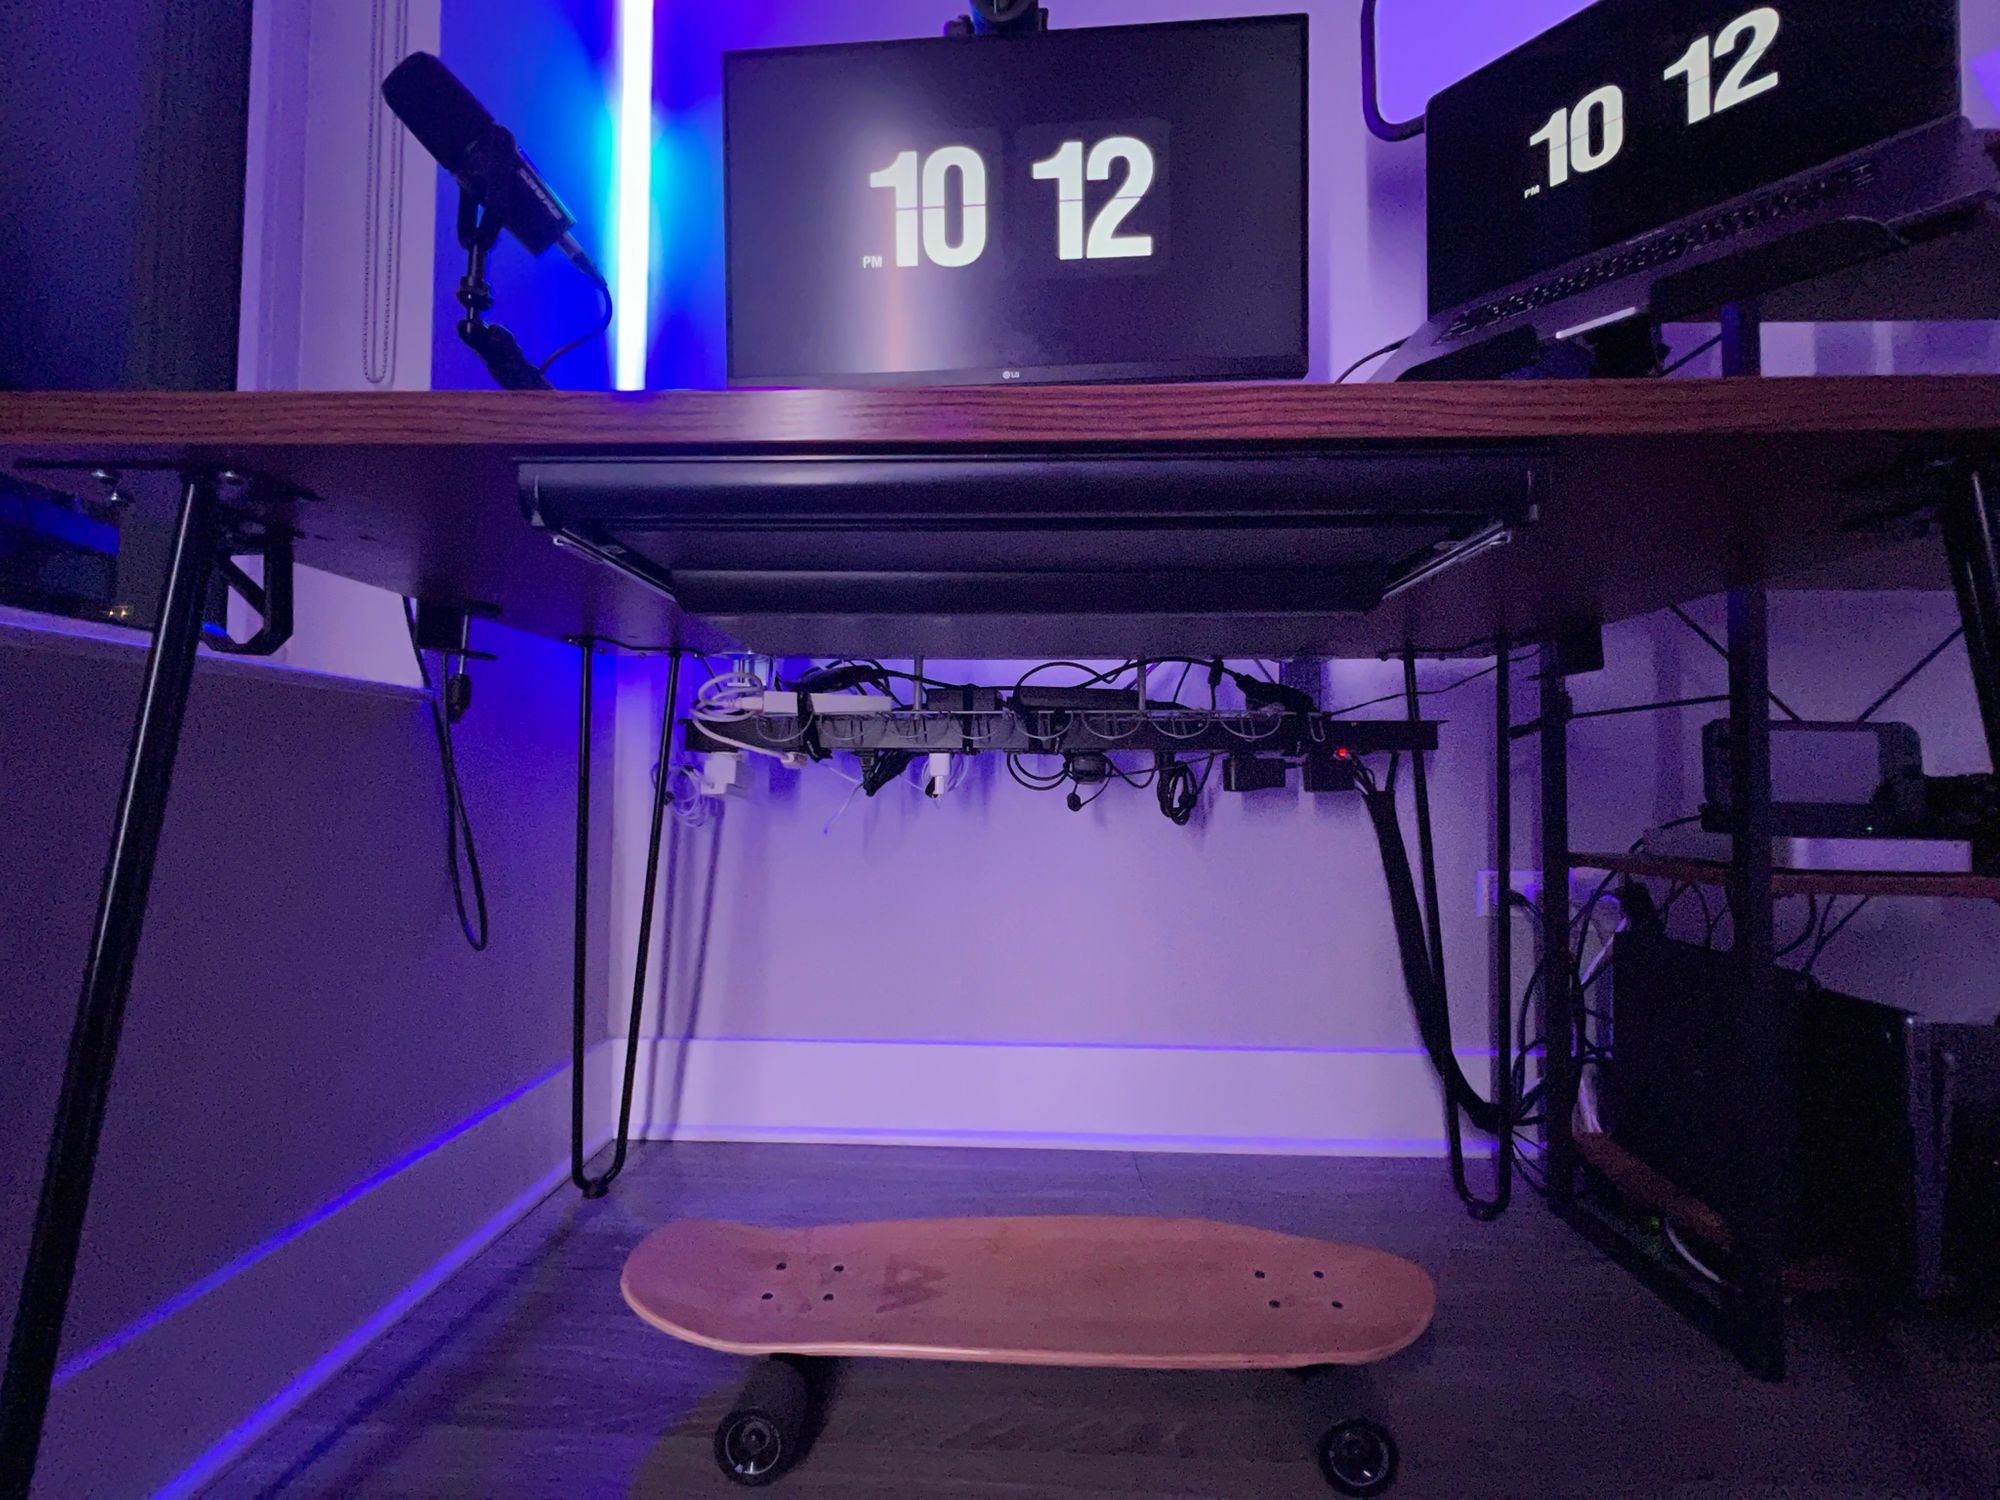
x=1648 y=493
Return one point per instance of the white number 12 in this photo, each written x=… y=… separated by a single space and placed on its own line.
x=1068 y=169
x=1759 y=29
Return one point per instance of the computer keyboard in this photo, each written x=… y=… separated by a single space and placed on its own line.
x=1668 y=246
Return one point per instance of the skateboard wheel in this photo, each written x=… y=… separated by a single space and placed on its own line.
x=1358 y=1457
x=762 y=1435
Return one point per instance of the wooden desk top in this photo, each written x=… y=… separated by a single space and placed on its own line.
x=1653 y=492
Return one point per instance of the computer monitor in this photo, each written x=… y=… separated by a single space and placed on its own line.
x=1636 y=114
x=1120 y=203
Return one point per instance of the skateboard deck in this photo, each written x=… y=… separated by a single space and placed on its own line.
x=1125 y=1293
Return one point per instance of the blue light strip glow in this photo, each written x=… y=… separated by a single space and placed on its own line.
x=1034 y=1046
x=229 y=1271
x=1121 y=1140
x=232 y=1444
x=634 y=193
x=1987 y=70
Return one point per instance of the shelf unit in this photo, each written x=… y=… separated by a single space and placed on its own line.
x=1871 y=883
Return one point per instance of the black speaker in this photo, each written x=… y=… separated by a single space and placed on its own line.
x=122 y=150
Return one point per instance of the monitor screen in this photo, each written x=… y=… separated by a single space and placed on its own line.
x=1124 y=203
x=1637 y=113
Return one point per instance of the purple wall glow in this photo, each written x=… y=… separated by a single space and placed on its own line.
x=1424 y=50
x=560 y=107
x=1128 y=905
x=1367 y=215
x=1987 y=70
x=689 y=344
x=562 y=111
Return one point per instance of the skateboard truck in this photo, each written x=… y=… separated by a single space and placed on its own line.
x=769 y=1427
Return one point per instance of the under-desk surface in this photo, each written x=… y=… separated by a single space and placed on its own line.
x=1643 y=494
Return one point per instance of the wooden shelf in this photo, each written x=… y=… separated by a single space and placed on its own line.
x=1802 y=882
x=1645 y=1189
x=1641 y=1185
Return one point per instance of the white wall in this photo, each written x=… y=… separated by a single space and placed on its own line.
x=1098 y=978
x=322 y=1094
x=1126 y=906
x=1106 y=978
x=337 y=260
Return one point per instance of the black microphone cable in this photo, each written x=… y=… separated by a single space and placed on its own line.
x=449 y=702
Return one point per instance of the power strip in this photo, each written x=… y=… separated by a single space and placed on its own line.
x=839 y=705
x=777 y=705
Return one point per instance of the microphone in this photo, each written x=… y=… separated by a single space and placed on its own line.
x=483 y=155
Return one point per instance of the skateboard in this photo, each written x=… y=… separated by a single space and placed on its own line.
x=1106 y=1292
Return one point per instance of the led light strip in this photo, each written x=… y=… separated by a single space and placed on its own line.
x=634 y=194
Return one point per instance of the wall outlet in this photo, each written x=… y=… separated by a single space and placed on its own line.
x=1527 y=882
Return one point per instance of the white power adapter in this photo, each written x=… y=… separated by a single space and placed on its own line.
x=937 y=773
x=723 y=774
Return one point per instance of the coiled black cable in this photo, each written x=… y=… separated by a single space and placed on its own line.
x=1178 y=788
x=446 y=702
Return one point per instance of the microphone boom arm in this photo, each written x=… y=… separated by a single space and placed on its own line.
x=498 y=350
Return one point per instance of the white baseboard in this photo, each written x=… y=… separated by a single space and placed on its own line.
x=1263 y=1101
x=167 y=1404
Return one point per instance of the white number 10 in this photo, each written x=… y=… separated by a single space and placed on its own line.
x=1587 y=137
x=922 y=190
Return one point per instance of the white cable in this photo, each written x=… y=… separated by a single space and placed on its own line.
x=843 y=731
x=1049 y=733
x=730 y=696
x=1093 y=722
x=1201 y=722
x=1587 y=1116
x=846 y=803
x=1277 y=724
x=996 y=726
x=735 y=744
x=1693 y=1260
x=917 y=773
x=1597 y=962
x=1587 y=1119
x=693 y=807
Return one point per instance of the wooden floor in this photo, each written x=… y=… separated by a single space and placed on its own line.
x=1548 y=1372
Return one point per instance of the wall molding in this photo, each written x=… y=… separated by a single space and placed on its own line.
x=1241 y=1100
x=30 y=631
x=325 y=1287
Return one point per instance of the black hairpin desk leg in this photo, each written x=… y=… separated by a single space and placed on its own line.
x=1769 y=1028
x=598 y=1186
x=1971 y=523
x=580 y=998
x=93 y=1044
